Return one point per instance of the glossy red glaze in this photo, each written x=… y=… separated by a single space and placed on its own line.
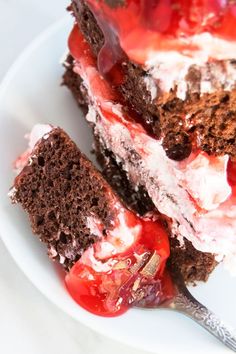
x=231 y=172
x=81 y=52
x=158 y=24
x=110 y=293
x=169 y=17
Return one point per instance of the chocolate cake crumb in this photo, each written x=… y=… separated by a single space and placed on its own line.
x=177 y=145
x=193 y=264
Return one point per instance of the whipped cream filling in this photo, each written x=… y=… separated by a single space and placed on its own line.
x=118 y=240
x=168 y=69
x=194 y=193
x=205 y=179
x=38 y=132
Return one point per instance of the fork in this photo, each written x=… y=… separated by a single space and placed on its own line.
x=183 y=302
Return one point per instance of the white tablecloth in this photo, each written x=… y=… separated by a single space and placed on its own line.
x=29 y=323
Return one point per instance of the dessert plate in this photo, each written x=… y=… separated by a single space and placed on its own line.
x=29 y=94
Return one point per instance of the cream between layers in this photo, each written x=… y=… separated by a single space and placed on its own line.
x=169 y=183
x=38 y=131
x=168 y=69
x=118 y=240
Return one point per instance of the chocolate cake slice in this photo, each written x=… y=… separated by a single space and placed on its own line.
x=161 y=101
x=59 y=189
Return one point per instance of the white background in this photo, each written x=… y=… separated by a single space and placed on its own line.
x=29 y=323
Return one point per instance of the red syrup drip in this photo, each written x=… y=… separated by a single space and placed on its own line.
x=110 y=59
x=80 y=50
x=139 y=26
x=126 y=284
x=231 y=173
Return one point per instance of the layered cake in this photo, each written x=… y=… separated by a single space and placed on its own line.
x=114 y=259
x=158 y=81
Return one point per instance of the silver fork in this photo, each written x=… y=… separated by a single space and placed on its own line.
x=184 y=302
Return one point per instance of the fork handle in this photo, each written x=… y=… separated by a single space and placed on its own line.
x=185 y=303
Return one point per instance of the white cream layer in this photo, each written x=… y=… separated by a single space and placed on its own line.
x=168 y=69
x=38 y=132
x=118 y=240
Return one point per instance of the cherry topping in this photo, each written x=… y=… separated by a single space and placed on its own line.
x=135 y=277
x=170 y=17
x=231 y=172
x=140 y=26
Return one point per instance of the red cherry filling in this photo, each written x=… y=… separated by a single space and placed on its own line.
x=135 y=276
x=102 y=90
x=21 y=161
x=170 y=17
x=138 y=26
x=231 y=171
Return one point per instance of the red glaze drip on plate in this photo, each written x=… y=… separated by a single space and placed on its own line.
x=138 y=26
x=137 y=275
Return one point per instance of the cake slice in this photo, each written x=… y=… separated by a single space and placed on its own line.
x=59 y=189
x=159 y=84
x=113 y=257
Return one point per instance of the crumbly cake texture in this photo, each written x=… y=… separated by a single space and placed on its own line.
x=194 y=265
x=211 y=117
x=59 y=188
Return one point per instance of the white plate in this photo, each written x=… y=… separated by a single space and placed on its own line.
x=31 y=93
